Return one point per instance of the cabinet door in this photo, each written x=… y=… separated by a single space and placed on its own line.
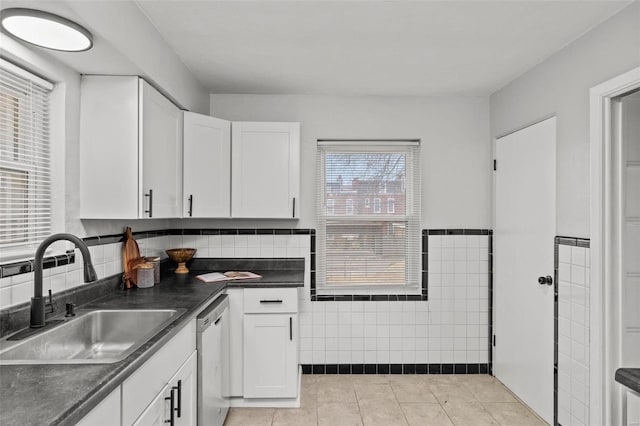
x=270 y=356
x=109 y=147
x=207 y=166
x=161 y=154
x=158 y=412
x=265 y=170
x=185 y=387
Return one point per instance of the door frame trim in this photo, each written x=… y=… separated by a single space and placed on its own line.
x=603 y=301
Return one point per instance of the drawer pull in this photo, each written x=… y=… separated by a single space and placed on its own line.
x=291 y=328
x=172 y=408
x=271 y=301
x=179 y=388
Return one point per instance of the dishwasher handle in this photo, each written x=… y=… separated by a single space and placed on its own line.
x=212 y=313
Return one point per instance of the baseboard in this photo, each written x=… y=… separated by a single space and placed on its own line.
x=475 y=368
x=269 y=402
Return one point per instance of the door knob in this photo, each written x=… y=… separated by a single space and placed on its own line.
x=545 y=280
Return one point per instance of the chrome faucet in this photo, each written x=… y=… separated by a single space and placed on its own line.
x=37 y=301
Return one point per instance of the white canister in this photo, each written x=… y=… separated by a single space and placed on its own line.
x=145 y=275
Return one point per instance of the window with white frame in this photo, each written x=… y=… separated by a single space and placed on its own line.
x=361 y=251
x=25 y=175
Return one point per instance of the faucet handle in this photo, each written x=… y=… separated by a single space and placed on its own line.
x=70 y=309
x=50 y=302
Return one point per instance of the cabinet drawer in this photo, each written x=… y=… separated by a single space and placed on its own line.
x=268 y=300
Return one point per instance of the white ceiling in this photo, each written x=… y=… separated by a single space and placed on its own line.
x=394 y=48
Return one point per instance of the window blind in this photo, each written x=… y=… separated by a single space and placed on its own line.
x=25 y=176
x=368 y=205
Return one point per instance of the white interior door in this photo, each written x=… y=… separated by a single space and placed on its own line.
x=525 y=226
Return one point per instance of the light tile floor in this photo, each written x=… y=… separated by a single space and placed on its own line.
x=379 y=400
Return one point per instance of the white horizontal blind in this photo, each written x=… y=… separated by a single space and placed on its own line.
x=25 y=177
x=368 y=205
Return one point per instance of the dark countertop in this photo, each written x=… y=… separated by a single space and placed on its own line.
x=630 y=377
x=63 y=394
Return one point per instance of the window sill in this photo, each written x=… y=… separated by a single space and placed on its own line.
x=368 y=297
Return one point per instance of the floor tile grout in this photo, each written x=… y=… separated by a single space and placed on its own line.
x=452 y=385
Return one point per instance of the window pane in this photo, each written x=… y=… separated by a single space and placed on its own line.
x=351 y=179
x=14 y=205
x=366 y=253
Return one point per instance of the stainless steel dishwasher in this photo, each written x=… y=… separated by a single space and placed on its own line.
x=213 y=362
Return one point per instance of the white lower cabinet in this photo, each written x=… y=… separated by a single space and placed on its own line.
x=176 y=403
x=270 y=343
x=174 y=361
x=169 y=379
x=270 y=356
x=107 y=413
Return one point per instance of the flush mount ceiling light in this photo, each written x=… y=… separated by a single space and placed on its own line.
x=45 y=29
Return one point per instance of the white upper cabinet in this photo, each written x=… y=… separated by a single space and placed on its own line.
x=207 y=166
x=265 y=170
x=130 y=150
x=161 y=136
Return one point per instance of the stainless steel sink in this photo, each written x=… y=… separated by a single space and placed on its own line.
x=92 y=337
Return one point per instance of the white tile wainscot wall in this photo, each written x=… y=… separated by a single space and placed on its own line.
x=573 y=335
x=452 y=327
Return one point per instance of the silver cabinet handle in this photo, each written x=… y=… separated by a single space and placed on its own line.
x=191 y=205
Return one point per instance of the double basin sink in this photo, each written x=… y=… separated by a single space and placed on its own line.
x=91 y=337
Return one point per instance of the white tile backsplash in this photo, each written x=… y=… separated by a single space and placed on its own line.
x=106 y=258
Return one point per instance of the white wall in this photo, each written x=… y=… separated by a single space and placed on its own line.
x=125 y=27
x=560 y=86
x=455 y=145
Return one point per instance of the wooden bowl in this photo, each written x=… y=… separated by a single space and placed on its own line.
x=181 y=256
